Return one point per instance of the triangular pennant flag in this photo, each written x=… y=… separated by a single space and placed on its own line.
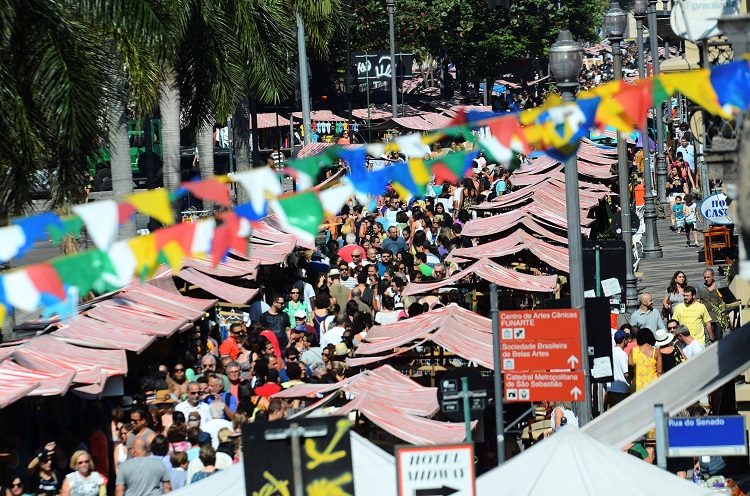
x=411 y=145
x=12 y=239
x=302 y=214
x=84 y=270
x=181 y=233
x=124 y=264
x=65 y=309
x=334 y=198
x=19 y=291
x=101 y=219
x=172 y=254
x=224 y=235
x=697 y=87
x=309 y=168
x=154 y=202
x=47 y=280
x=203 y=237
x=210 y=189
x=731 y=82
x=451 y=167
x=258 y=182
x=125 y=212
x=145 y=253
x=70 y=225
x=35 y=229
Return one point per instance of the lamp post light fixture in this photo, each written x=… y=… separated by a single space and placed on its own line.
x=391 y=4
x=651 y=246
x=661 y=162
x=565 y=59
x=615 y=22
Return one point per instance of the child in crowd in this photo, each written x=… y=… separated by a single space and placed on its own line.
x=678 y=215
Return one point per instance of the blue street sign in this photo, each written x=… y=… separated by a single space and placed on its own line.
x=710 y=436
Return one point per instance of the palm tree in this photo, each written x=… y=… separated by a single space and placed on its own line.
x=53 y=76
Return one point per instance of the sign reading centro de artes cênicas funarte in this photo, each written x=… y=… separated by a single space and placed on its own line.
x=540 y=352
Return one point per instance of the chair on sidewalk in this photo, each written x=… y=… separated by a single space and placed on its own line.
x=715 y=238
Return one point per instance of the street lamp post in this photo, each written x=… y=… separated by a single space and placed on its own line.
x=391 y=4
x=661 y=163
x=615 y=22
x=651 y=246
x=565 y=59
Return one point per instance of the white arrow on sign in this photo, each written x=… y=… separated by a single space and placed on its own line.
x=572 y=361
x=576 y=392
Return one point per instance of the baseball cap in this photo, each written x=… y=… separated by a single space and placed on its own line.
x=620 y=335
x=300 y=314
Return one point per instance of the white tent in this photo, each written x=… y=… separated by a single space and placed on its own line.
x=571 y=462
x=374 y=474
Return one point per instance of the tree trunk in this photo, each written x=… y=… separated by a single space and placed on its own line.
x=205 y=143
x=169 y=106
x=122 y=172
x=241 y=122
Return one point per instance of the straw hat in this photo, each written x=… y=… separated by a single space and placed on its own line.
x=663 y=338
x=163 y=396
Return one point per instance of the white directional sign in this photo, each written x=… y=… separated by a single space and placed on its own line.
x=435 y=470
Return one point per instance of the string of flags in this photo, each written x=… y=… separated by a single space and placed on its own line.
x=556 y=128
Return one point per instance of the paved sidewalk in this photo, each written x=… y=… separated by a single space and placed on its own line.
x=657 y=272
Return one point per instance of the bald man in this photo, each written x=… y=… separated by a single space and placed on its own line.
x=646 y=316
x=142 y=475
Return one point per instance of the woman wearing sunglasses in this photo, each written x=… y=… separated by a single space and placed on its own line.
x=83 y=480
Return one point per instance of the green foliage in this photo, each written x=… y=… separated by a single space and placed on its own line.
x=478 y=40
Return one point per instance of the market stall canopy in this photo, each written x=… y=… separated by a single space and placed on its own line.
x=225 y=291
x=416 y=430
x=456 y=329
x=47 y=383
x=421 y=122
x=270 y=120
x=384 y=111
x=136 y=317
x=385 y=381
x=320 y=116
x=92 y=367
x=571 y=462
x=311 y=149
x=167 y=301
x=86 y=331
x=491 y=272
x=518 y=240
x=488 y=226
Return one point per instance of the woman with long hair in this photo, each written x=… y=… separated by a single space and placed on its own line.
x=645 y=359
x=674 y=294
x=44 y=480
x=207 y=455
x=83 y=480
x=320 y=312
x=247 y=354
x=120 y=454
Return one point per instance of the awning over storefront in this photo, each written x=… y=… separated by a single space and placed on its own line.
x=136 y=318
x=312 y=149
x=320 y=116
x=47 y=383
x=270 y=120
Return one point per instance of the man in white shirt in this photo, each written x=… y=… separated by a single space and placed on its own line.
x=619 y=389
x=334 y=333
x=193 y=403
x=217 y=422
x=692 y=346
x=688 y=151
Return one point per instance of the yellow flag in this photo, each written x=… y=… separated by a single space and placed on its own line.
x=144 y=251
x=3 y=311
x=696 y=85
x=154 y=202
x=174 y=254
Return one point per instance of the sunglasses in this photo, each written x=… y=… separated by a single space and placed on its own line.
x=83 y=462
x=671 y=328
x=19 y=484
x=179 y=370
x=294 y=292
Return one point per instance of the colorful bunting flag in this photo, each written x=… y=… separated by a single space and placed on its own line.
x=102 y=221
x=211 y=189
x=155 y=203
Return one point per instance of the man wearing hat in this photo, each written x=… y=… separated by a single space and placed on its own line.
x=619 y=388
